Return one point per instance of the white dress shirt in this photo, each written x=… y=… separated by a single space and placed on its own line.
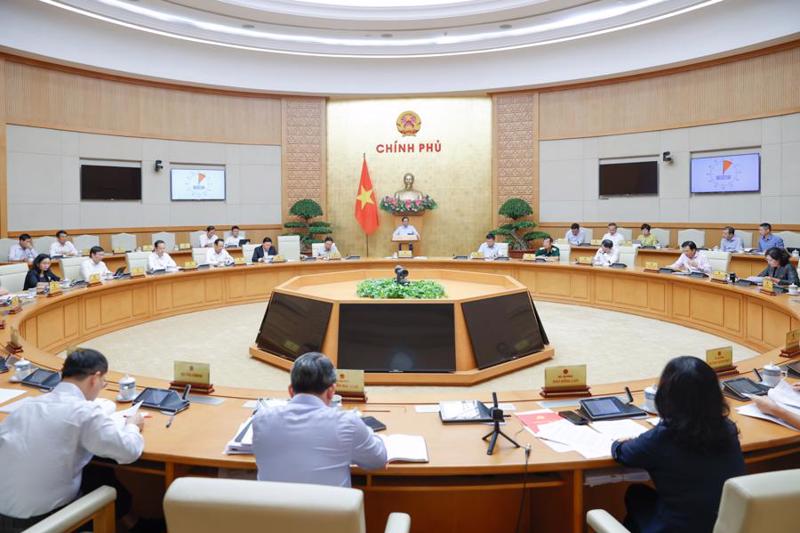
x=18 y=253
x=489 y=252
x=403 y=231
x=206 y=241
x=89 y=267
x=305 y=441
x=163 y=262
x=233 y=241
x=323 y=253
x=576 y=240
x=602 y=258
x=618 y=238
x=218 y=259
x=46 y=442
x=57 y=249
x=698 y=262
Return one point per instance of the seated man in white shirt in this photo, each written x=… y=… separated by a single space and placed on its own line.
x=62 y=247
x=49 y=439
x=489 y=249
x=575 y=235
x=691 y=260
x=232 y=241
x=730 y=242
x=159 y=259
x=218 y=256
x=95 y=264
x=614 y=236
x=307 y=441
x=403 y=230
x=209 y=237
x=607 y=254
x=328 y=248
x=23 y=250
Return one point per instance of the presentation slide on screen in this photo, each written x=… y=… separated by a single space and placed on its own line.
x=731 y=173
x=197 y=184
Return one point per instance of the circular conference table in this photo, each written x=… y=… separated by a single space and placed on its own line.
x=461 y=488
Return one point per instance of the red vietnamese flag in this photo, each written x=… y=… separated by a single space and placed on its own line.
x=366 y=207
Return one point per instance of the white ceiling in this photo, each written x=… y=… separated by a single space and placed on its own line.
x=389 y=47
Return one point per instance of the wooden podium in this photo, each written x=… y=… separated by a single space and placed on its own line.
x=413 y=220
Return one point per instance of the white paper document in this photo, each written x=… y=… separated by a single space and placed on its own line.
x=121 y=417
x=9 y=394
x=265 y=402
x=242 y=441
x=586 y=441
x=785 y=395
x=405 y=448
x=426 y=408
x=619 y=429
x=753 y=411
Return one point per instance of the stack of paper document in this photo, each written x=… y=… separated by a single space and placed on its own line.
x=533 y=419
x=784 y=395
x=242 y=442
x=121 y=417
x=619 y=429
x=405 y=448
x=9 y=394
x=565 y=436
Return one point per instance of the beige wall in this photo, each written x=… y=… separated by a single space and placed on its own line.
x=458 y=178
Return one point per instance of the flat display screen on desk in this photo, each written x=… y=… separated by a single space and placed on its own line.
x=293 y=326
x=503 y=328
x=397 y=337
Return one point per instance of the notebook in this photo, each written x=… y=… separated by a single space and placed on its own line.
x=466 y=411
x=405 y=448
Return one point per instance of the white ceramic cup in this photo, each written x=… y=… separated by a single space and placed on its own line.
x=772 y=375
x=650 y=399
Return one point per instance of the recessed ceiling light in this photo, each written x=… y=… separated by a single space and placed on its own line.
x=387 y=35
x=505 y=26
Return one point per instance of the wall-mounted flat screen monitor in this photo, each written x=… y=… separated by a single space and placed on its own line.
x=728 y=173
x=503 y=328
x=197 y=184
x=629 y=179
x=293 y=326
x=397 y=337
x=110 y=182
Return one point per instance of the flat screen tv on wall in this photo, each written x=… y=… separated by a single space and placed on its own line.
x=726 y=173
x=629 y=179
x=107 y=182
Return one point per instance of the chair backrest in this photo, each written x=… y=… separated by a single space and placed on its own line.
x=242 y=234
x=627 y=255
x=199 y=255
x=627 y=233
x=42 y=244
x=289 y=247
x=167 y=237
x=136 y=260
x=316 y=248
x=589 y=234
x=502 y=249
x=85 y=242
x=5 y=247
x=699 y=237
x=564 y=251
x=194 y=238
x=209 y=505
x=662 y=235
x=247 y=251
x=747 y=238
x=124 y=241
x=12 y=277
x=71 y=267
x=760 y=503
x=719 y=261
x=790 y=238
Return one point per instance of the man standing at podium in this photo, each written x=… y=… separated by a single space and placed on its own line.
x=405 y=230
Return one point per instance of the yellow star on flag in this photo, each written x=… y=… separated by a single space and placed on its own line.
x=365 y=197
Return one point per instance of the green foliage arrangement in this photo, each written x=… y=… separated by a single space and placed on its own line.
x=512 y=232
x=424 y=289
x=309 y=232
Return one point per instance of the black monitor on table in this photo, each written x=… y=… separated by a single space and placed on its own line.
x=293 y=326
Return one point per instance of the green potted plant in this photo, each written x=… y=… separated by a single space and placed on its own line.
x=309 y=231
x=518 y=233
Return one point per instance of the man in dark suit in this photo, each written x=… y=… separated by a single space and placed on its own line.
x=264 y=250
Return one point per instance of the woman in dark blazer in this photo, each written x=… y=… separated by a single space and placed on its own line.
x=40 y=272
x=779 y=268
x=689 y=454
x=265 y=249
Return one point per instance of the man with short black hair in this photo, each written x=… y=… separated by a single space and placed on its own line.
x=307 y=440
x=23 y=250
x=62 y=247
x=232 y=241
x=208 y=238
x=328 y=248
x=730 y=242
x=405 y=230
x=614 y=236
x=218 y=255
x=547 y=249
x=95 y=264
x=575 y=235
x=489 y=249
x=767 y=239
x=265 y=250
x=48 y=440
x=607 y=254
x=159 y=259
x=691 y=260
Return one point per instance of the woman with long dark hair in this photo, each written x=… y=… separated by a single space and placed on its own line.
x=779 y=268
x=40 y=272
x=689 y=454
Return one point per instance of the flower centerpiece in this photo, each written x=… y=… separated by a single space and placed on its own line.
x=398 y=206
x=388 y=288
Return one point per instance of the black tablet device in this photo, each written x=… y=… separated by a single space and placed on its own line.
x=352 y=257
x=666 y=270
x=460 y=257
x=119 y=272
x=162 y=400
x=618 y=265
x=697 y=274
x=3 y=365
x=42 y=379
x=242 y=242
x=374 y=423
x=502 y=258
x=609 y=408
x=738 y=388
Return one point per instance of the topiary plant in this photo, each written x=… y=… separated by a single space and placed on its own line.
x=308 y=231
x=516 y=209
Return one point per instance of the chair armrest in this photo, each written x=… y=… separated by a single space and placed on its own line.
x=76 y=513
x=602 y=522
x=398 y=523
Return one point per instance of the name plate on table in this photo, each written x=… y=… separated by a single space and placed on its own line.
x=405 y=253
x=278 y=259
x=147 y=248
x=94 y=279
x=333 y=256
x=194 y=373
x=792 y=347
x=721 y=359
x=84 y=253
x=585 y=260
x=137 y=272
x=565 y=381
x=476 y=255
x=651 y=266
x=239 y=261
x=350 y=384
x=719 y=276
x=190 y=265
x=768 y=287
x=184 y=246
x=119 y=250
x=55 y=289
x=597 y=242
x=529 y=257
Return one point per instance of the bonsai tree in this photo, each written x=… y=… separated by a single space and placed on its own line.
x=303 y=211
x=517 y=232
